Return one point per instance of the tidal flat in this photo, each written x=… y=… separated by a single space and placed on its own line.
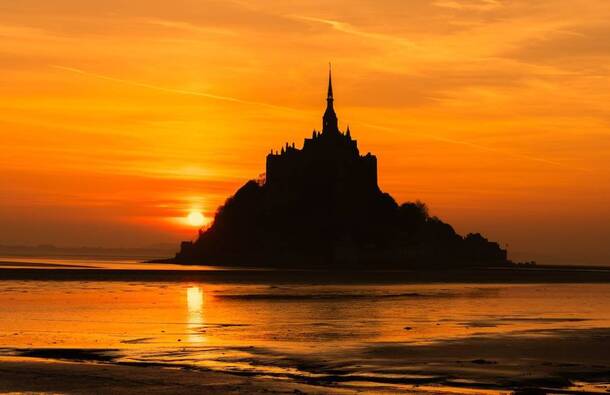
x=240 y=336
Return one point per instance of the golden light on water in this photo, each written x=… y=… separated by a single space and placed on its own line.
x=194 y=303
x=194 y=299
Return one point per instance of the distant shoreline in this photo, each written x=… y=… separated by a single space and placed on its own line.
x=514 y=275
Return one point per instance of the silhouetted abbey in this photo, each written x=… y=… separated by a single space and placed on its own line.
x=320 y=206
x=328 y=160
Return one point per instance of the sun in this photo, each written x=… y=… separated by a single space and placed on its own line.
x=195 y=218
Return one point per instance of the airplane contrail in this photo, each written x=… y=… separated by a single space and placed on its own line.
x=171 y=90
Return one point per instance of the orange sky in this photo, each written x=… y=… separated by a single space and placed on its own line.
x=119 y=117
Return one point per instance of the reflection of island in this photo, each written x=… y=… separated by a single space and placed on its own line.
x=320 y=206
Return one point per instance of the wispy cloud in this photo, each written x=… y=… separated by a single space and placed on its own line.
x=348 y=28
x=241 y=101
x=480 y=147
x=22 y=32
x=171 y=90
x=478 y=5
x=189 y=27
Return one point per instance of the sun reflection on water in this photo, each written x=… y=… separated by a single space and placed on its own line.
x=194 y=303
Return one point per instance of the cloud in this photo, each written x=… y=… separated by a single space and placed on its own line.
x=479 y=147
x=347 y=28
x=189 y=27
x=171 y=90
x=430 y=83
x=477 y=5
x=569 y=44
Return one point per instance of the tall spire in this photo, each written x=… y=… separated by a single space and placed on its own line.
x=329 y=96
x=329 y=120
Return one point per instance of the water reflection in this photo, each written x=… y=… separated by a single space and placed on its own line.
x=194 y=303
x=378 y=333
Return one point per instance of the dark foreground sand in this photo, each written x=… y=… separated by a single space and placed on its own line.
x=534 y=363
x=554 y=361
x=34 y=375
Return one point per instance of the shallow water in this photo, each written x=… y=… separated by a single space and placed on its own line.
x=387 y=335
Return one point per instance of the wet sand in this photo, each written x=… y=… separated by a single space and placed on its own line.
x=557 y=362
x=35 y=375
x=272 y=332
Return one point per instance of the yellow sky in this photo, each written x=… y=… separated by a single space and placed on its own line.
x=117 y=118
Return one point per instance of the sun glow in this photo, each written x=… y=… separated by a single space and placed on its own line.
x=455 y=84
x=195 y=218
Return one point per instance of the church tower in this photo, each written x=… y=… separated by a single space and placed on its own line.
x=329 y=160
x=329 y=120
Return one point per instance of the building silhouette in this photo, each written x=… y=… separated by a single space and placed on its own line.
x=328 y=157
x=320 y=206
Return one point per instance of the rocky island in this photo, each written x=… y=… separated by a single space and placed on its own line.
x=320 y=206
